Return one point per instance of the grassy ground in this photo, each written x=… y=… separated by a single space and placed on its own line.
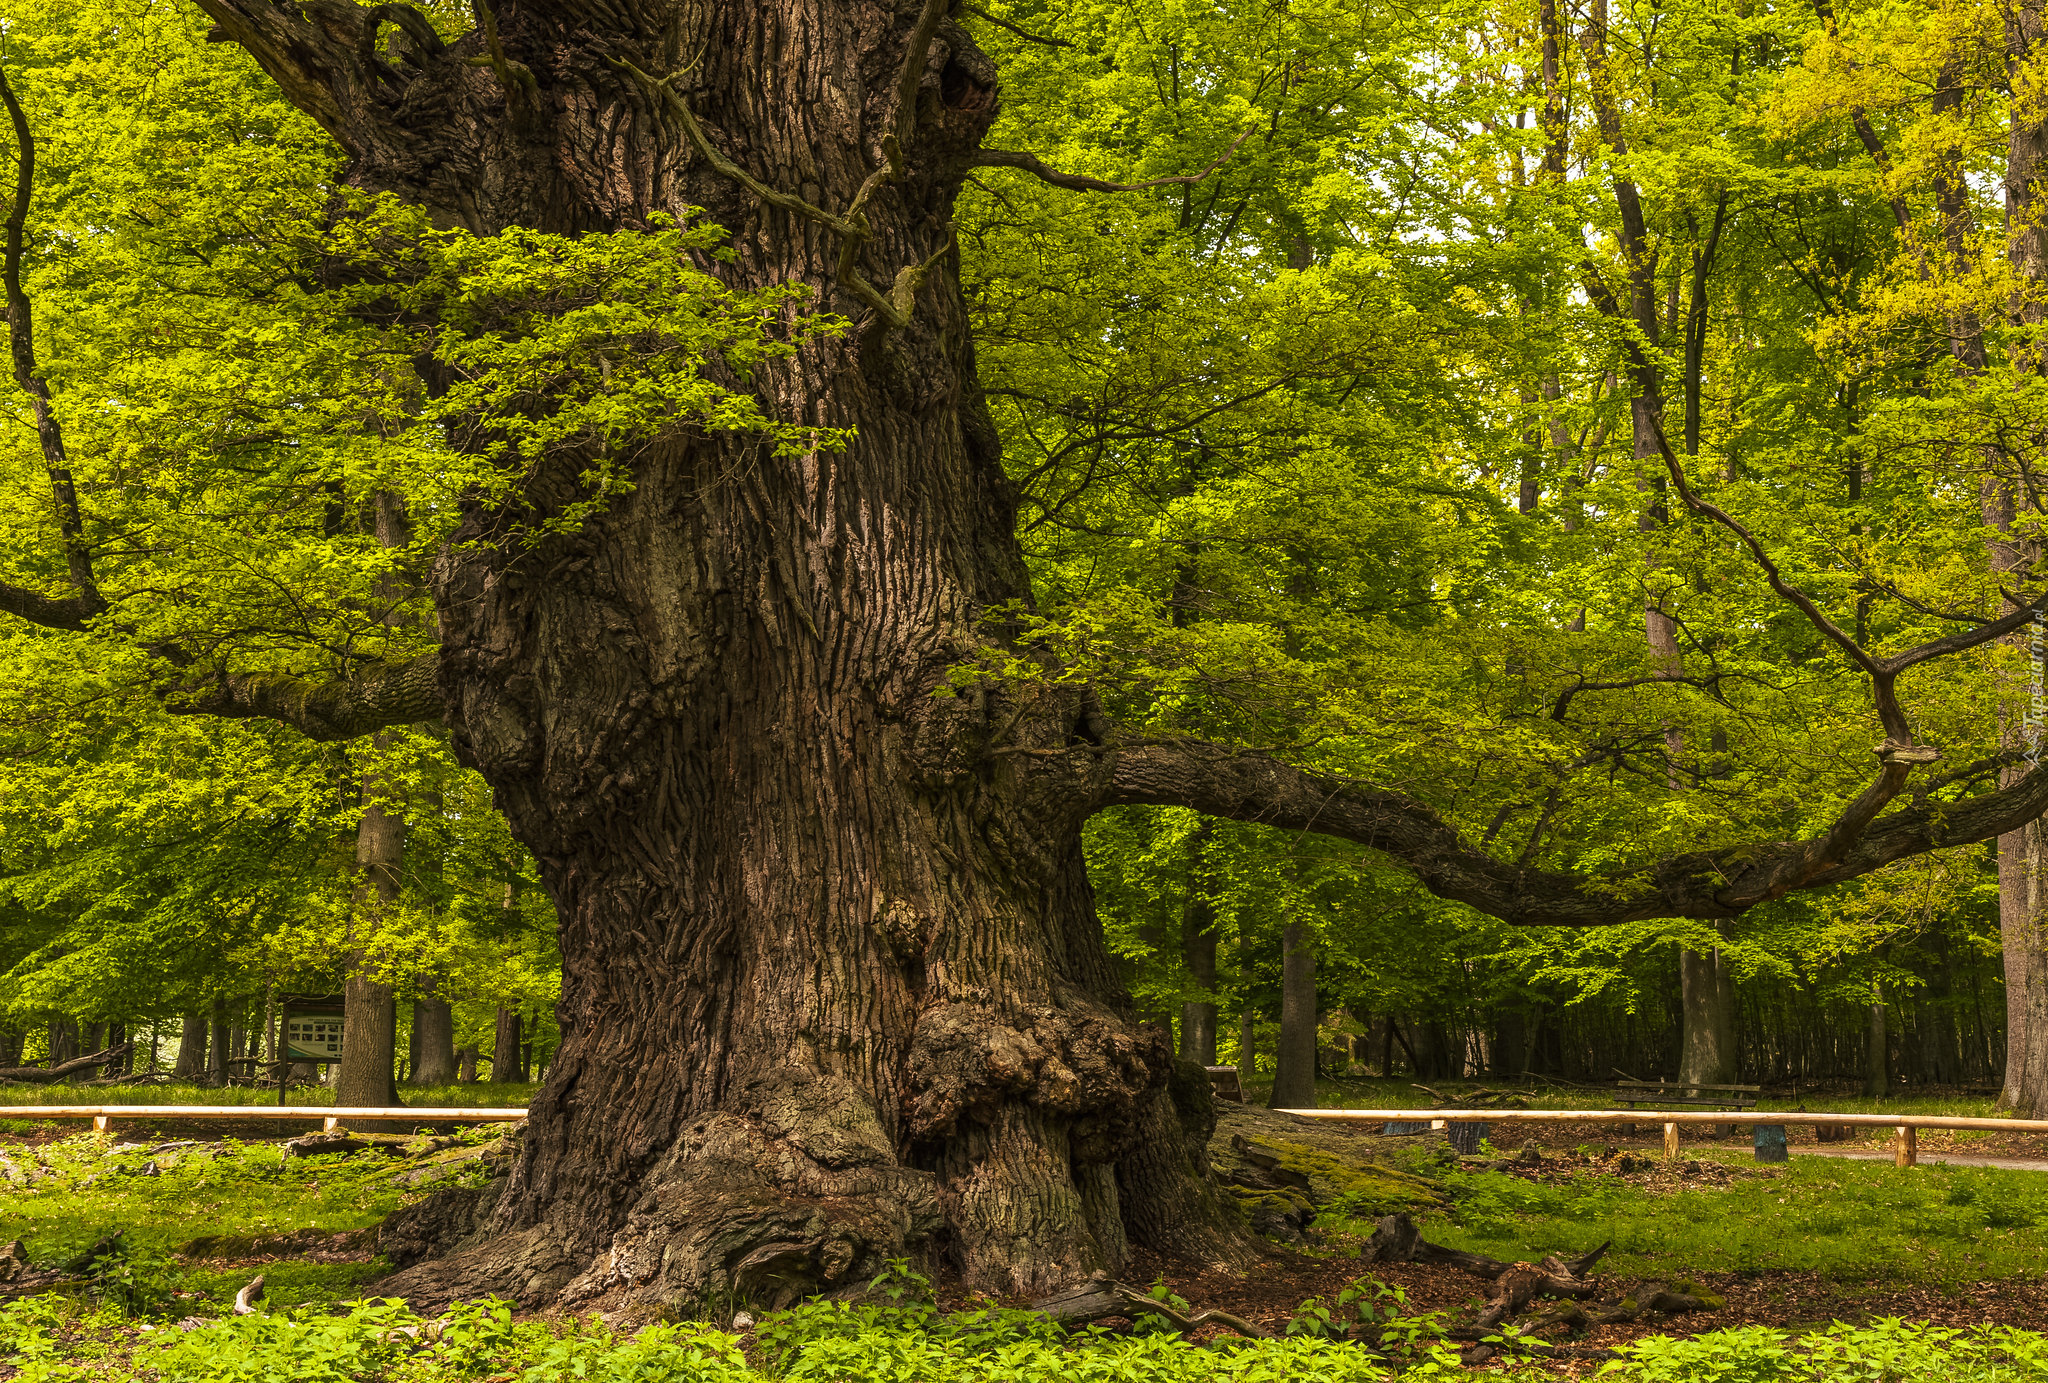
x=61 y=1197
x=1851 y=1222
x=1844 y=1222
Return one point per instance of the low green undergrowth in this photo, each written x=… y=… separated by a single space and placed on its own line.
x=380 y=1341
x=1850 y=1221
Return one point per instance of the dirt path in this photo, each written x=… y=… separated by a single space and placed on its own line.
x=2018 y=1164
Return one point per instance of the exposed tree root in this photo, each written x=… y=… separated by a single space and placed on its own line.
x=1517 y=1286
x=1101 y=1299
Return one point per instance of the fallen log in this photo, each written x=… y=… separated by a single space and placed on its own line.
x=45 y=1075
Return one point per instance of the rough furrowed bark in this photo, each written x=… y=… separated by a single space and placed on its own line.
x=833 y=990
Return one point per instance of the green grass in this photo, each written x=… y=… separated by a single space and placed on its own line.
x=79 y=1190
x=1854 y=1222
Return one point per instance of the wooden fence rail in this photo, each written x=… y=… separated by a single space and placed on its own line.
x=331 y=1116
x=1904 y=1127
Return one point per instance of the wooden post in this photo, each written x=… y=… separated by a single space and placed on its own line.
x=329 y=1125
x=102 y=1123
x=1906 y=1147
x=1438 y=1123
x=1670 y=1142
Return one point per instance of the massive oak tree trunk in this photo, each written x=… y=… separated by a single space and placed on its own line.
x=833 y=989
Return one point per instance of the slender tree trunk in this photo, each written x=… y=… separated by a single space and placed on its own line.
x=217 y=1053
x=63 y=1041
x=1877 y=1065
x=465 y=1065
x=190 y=1064
x=505 y=1047
x=1198 y=950
x=1707 y=1000
x=369 y=1035
x=1510 y=1044
x=1294 y=1065
x=12 y=1040
x=433 y=1037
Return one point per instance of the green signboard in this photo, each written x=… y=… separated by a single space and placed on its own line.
x=312 y=1029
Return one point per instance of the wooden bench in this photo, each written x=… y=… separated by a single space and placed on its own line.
x=1668 y=1092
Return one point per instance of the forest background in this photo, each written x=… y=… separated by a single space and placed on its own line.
x=1343 y=450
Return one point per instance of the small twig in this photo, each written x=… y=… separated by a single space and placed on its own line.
x=1027 y=36
x=1075 y=182
x=511 y=75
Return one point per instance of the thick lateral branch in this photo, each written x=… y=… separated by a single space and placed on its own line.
x=72 y=613
x=404 y=693
x=1709 y=884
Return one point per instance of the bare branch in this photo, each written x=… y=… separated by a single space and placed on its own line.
x=2008 y=623
x=1785 y=589
x=851 y=228
x=1074 y=182
x=1026 y=35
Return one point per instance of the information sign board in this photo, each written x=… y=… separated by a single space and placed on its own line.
x=312 y=1028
